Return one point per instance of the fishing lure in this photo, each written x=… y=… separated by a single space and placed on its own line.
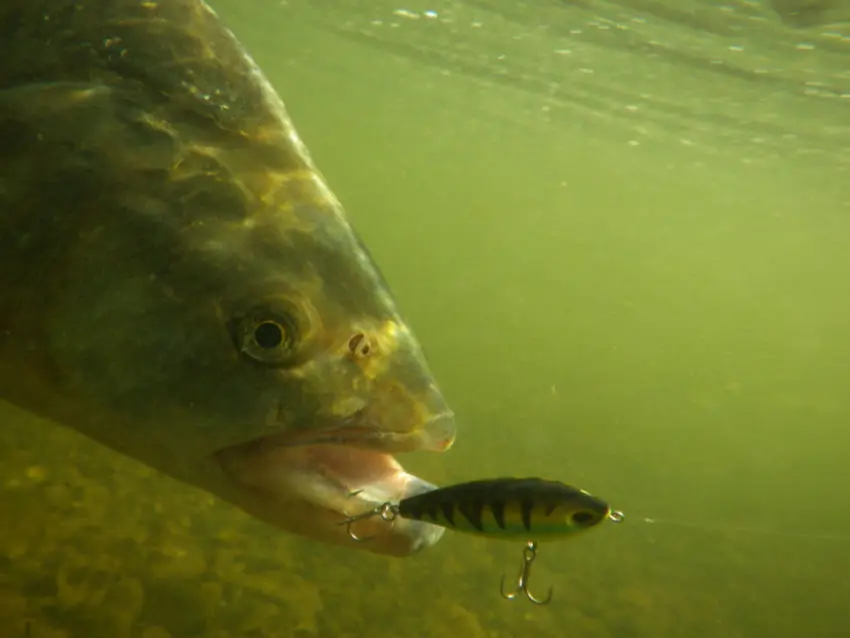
x=505 y=508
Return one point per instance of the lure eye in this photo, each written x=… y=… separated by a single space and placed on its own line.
x=360 y=346
x=583 y=518
x=266 y=337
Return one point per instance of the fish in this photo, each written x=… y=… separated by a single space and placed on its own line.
x=504 y=508
x=179 y=283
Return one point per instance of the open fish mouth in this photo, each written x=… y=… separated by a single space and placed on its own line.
x=308 y=483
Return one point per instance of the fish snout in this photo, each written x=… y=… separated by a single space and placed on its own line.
x=396 y=405
x=405 y=408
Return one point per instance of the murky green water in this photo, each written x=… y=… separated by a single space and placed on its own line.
x=619 y=230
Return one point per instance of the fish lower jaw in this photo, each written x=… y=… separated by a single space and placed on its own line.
x=311 y=489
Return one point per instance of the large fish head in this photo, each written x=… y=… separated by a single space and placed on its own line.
x=256 y=335
x=204 y=306
x=329 y=370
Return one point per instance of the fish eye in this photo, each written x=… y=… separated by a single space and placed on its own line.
x=359 y=345
x=267 y=337
x=582 y=518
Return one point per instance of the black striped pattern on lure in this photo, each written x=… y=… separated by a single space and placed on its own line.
x=508 y=508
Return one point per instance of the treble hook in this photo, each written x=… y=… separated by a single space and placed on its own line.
x=529 y=553
x=387 y=511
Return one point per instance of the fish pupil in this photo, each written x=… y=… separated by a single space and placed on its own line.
x=268 y=335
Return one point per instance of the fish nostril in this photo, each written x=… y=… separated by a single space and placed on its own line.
x=359 y=345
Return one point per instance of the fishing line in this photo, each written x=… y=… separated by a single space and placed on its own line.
x=746 y=530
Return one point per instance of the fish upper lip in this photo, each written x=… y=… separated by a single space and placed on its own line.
x=436 y=433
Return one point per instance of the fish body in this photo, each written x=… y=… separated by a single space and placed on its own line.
x=508 y=508
x=179 y=283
